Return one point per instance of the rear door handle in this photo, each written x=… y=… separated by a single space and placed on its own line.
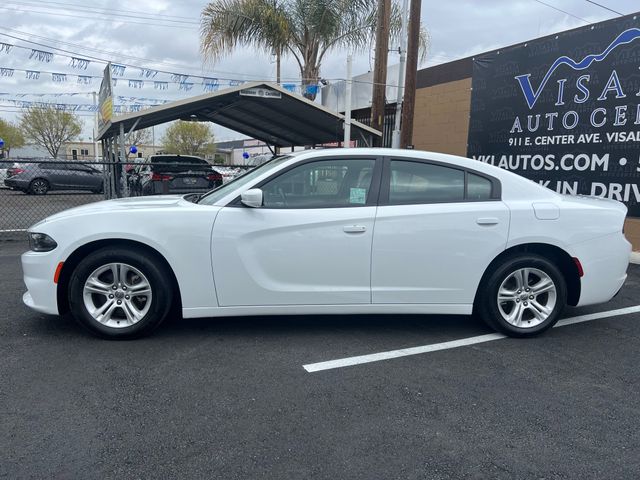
x=487 y=221
x=354 y=229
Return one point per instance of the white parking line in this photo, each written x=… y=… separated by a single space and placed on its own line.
x=404 y=352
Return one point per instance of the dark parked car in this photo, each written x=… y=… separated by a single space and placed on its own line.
x=166 y=174
x=39 y=178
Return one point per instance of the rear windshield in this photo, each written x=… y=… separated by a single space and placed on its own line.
x=178 y=163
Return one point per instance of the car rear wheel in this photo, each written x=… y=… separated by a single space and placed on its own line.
x=39 y=186
x=118 y=293
x=522 y=297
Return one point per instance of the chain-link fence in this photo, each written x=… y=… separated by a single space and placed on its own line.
x=33 y=189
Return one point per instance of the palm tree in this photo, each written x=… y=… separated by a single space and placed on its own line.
x=304 y=29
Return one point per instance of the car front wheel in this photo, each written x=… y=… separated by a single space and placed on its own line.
x=118 y=293
x=522 y=297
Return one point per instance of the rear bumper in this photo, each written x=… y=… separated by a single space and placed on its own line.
x=15 y=183
x=604 y=261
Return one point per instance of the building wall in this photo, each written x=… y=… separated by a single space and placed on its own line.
x=632 y=232
x=441 y=118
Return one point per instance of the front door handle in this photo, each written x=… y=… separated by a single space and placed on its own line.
x=487 y=221
x=354 y=229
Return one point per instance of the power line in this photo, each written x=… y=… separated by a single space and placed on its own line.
x=71 y=4
x=109 y=13
x=31 y=11
x=114 y=54
x=91 y=49
x=560 y=10
x=605 y=7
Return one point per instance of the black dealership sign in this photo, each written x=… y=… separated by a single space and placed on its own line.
x=564 y=110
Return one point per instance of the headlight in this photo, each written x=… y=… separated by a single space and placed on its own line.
x=41 y=242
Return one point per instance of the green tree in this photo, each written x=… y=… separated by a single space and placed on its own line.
x=11 y=135
x=305 y=29
x=189 y=138
x=49 y=127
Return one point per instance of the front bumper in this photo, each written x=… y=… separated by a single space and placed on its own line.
x=39 y=269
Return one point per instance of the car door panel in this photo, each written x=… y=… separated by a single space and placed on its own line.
x=292 y=257
x=437 y=229
x=78 y=177
x=435 y=253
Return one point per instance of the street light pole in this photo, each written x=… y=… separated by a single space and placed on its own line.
x=95 y=126
x=347 y=107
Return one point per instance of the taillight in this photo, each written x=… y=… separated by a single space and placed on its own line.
x=14 y=171
x=161 y=177
x=213 y=177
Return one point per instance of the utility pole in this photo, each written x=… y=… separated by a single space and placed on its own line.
x=380 y=68
x=409 y=103
x=347 y=107
x=395 y=139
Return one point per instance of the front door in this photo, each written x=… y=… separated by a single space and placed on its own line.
x=310 y=242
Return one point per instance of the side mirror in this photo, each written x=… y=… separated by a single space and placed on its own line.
x=252 y=198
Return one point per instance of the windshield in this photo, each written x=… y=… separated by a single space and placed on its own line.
x=216 y=194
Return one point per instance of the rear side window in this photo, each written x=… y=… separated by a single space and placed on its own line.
x=414 y=183
x=52 y=166
x=478 y=188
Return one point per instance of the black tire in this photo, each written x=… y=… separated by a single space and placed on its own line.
x=39 y=186
x=489 y=309
x=150 y=267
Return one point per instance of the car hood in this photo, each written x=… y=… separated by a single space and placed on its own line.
x=142 y=203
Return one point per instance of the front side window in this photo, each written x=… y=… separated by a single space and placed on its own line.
x=415 y=183
x=321 y=184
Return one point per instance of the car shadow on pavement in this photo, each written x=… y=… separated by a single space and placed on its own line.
x=322 y=325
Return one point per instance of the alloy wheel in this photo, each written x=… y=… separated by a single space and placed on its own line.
x=117 y=295
x=39 y=187
x=527 y=297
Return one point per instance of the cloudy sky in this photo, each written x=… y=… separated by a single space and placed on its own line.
x=163 y=35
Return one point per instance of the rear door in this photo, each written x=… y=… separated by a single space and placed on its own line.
x=56 y=174
x=83 y=177
x=437 y=229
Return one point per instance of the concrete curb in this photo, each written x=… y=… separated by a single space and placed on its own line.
x=635 y=258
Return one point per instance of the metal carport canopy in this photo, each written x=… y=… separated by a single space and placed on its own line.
x=262 y=110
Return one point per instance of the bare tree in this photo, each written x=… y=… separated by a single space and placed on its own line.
x=139 y=137
x=50 y=128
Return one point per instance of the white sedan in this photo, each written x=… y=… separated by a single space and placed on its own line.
x=333 y=232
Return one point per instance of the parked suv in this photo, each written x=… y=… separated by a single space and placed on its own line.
x=39 y=178
x=166 y=174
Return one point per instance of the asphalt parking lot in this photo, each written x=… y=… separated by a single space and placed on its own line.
x=19 y=211
x=230 y=398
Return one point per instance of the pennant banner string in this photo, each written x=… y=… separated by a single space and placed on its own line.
x=41 y=55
